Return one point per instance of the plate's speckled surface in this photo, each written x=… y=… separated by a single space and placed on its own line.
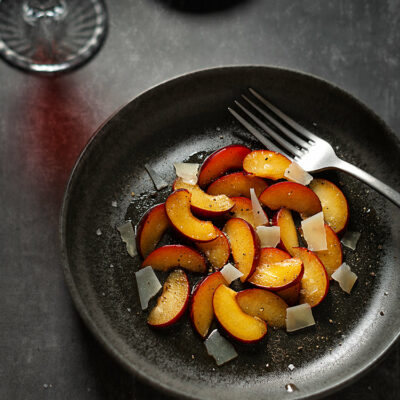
x=187 y=118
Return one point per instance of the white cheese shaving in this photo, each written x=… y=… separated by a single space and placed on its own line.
x=148 y=285
x=299 y=317
x=219 y=348
x=269 y=236
x=314 y=232
x=230 y=273
x=159 y=182
x=345 y=277
x=259 y=215
x=297 y=174
x=291 y=387
x=350 y=239
x=187 y=171
x=128 y=237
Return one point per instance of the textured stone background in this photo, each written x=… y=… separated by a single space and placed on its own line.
x=45 y=351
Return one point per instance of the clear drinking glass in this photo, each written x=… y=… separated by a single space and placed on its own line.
x=51 y=35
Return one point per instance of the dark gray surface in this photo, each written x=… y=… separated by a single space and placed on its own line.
x=45 y=123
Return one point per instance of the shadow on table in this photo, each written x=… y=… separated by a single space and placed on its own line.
x=111 y=380
x=202 y=6
x=56 y=124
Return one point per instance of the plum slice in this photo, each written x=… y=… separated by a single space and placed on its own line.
x=279 y=275
x=218 y=163
x=201 y=308
x=237 y=184
x=243 y=209
x=245 y=246
x=332 y=258
x=178 y=211
x=151 y=228
x=217 y=251
x=283 y=218
x=334 y=204
x=293 y=196
x=234 y=320
x=203 y=204
x=266 y=164
x=315 y=281
x=263 y=304
x=172 y=302
x=175 y=255
x=291 y=294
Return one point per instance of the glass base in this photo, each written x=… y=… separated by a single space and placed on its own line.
x=51 y=39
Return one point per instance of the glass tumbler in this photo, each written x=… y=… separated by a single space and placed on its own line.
x=51 y=35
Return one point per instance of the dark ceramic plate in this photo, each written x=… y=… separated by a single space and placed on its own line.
x=186 y=119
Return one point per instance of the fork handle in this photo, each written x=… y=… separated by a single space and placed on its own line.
x=376 y=184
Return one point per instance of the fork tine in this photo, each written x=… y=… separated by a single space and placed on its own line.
x=275 y=122
x=266 y=142
x=303 y=131
x=283 y=142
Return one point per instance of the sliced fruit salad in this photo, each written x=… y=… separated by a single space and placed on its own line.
x=253 y=217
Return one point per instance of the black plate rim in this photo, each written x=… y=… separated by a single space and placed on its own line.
x=79 y=304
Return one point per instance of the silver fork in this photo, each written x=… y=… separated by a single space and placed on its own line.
x=311 y=152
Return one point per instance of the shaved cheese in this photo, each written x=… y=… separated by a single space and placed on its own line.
x=219 y=348
x=128 y=237
x=297 y=174
x=230 y=273
x=350 y=239
x=159 y=182
x=291 y=387
x=259 y=215
x=345 y=277
x=269 y=235
x=314 y=232
x=299 y=317
x=187 y=171
x=148 y=285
